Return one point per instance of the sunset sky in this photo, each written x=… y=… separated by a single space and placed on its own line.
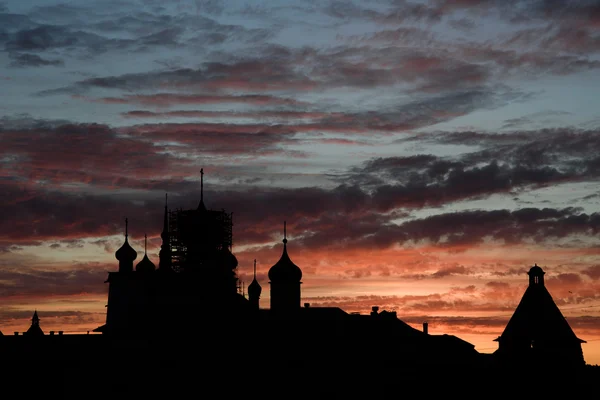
x=424 y=154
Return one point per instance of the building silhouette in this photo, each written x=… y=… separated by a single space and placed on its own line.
x=196 y=289
x=537 y=332
x=196 y=276
x=285 y=282
x=181 y=326
x=35 y=330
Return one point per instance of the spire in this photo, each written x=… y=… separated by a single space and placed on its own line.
x=254 y=290
x=165 y=248
x=201 y=206
x=126 y=225
x=35 y=329
x=145 y=244
x=284 y=234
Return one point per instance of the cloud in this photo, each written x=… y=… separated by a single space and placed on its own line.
x=171 y=99
x=593 y=272
x=52 y=281
x=31 y=60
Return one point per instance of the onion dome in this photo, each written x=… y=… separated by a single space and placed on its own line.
x=126 y=252
x=254 y=289
x=285 y=270
x=227 y=259
x=145 y=265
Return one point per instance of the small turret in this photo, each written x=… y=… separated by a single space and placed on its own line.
x=536 y=276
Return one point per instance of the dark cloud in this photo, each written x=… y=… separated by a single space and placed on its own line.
x=53 y=281
x=89 y=31
x=356 y=213
x=399 y=12
x=47 y=37
x=453 y=270
x=464 y=228
x=497 y=285
x=11 y=22
x=20 y=60
x=593 y=272
x=568 y=279
x=170 y=99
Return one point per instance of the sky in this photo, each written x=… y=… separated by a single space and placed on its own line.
x=424 y=155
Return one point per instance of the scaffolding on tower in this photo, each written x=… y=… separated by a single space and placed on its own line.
x=196 y=235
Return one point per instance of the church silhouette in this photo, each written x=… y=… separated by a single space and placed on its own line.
x=189 y=311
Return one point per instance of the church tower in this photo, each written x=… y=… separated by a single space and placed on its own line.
x=35 y=329
x=285 y=282
x=254 y=290
x=538 y=332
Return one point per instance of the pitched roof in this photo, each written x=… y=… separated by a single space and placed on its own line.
x=537 y=317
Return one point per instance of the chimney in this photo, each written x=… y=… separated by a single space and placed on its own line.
x=60 y=332
x=374 y=310
x=51 y=333
x=426 y=328
x=16 y=333
x=306 y=305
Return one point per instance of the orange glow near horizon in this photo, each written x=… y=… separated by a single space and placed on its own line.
x=461 y=291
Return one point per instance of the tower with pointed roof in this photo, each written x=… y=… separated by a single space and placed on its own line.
x=164 y=255
x=537 y=331
x=285 y=280
x=254 y=290
x=35 y=329
x=126 y=254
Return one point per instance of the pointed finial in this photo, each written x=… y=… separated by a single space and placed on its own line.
x=284 y=233
x=201 y=184
x=145 y=243
x=126 y=224
x=255 y=268
x=166 y=199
